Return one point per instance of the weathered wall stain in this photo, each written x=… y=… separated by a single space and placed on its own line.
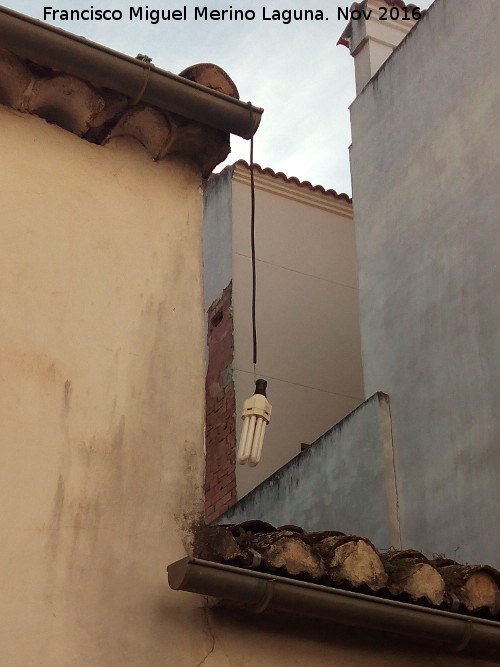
x=67 y=395
x=105 y=411
x=57 y=515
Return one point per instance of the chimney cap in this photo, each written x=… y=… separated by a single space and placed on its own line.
x=345 y=37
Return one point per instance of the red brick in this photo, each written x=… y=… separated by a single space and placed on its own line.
x=220 y=473
x=212 y=494
x=228 y=486
x=225 y=476
x=223 y=501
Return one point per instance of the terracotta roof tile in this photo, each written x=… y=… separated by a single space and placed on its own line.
x=353 y=563
x=99 y=114
x=293 y=179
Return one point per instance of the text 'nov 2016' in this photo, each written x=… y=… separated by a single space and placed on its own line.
x=410 y=13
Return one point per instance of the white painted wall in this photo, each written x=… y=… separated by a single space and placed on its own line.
x=307 y=314
x=373 y=40
x=425 y=175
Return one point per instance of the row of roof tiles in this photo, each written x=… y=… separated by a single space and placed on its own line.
x=279 y=175
x=100 y=115
x=351 y=562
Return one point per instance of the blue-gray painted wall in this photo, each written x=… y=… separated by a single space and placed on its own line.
x=339 y=483
x=426 y=174
x=217 y=235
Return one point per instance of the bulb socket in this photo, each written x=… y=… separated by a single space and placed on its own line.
x=260 y=387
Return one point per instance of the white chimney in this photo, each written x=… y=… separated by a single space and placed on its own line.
x=375 y=29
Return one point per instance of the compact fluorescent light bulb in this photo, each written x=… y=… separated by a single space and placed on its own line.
x=256 y=415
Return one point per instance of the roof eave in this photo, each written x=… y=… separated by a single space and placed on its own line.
x=47 y=45
x=260 y=591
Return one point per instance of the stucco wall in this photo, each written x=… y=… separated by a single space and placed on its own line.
x=344 y=481
x=101 y=415
x=237 y=638
x=426 y=200
x=307 y=315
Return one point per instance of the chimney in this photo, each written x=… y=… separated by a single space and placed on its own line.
x=375 y=29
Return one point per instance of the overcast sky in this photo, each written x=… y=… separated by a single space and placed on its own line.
x=295 y=71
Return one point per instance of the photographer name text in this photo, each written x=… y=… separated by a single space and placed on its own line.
x=205 y=13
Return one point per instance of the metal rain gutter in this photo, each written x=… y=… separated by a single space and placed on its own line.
x=46 y=45
x=260 y=591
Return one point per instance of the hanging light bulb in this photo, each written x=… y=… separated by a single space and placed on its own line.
x=256 y=415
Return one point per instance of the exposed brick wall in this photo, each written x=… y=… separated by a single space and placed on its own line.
x=220 y=435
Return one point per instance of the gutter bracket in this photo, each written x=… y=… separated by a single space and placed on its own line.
x=266 y=598
x=467 y=636
x=138 y=97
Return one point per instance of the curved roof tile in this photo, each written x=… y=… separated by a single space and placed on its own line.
x=352 y=562
x=296 y=181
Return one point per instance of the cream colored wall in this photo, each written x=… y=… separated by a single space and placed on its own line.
x=307 y=315
x=102 y=399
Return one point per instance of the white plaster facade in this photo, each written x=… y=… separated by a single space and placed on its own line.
x=425 y=174
x=372 y=40
x=307 y=312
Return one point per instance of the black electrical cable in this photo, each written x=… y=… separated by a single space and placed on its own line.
x=252 y=242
